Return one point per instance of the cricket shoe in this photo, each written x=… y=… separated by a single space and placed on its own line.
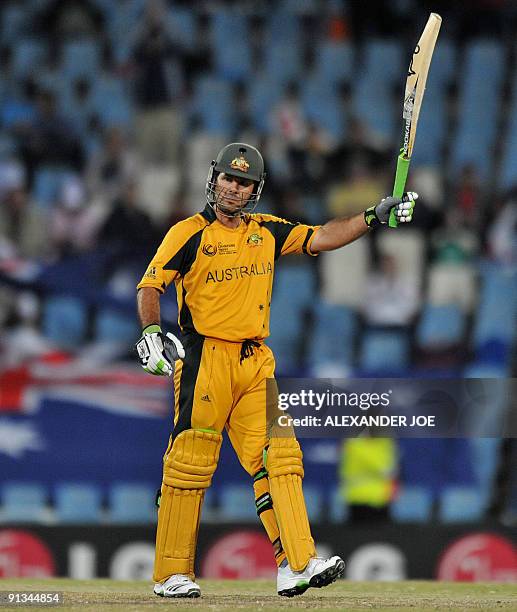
x=318 y=573
x=177 y=586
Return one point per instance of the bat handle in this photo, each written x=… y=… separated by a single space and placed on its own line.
x=400 y=184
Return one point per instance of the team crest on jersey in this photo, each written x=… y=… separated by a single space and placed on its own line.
x=151 y=273
x=239 y=163
x=209 y=249
x=255 y=240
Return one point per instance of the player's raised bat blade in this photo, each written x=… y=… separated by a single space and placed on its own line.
x=415 y=87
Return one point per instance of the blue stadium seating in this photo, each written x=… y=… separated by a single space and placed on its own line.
x=322 y=106
x=338 y=508
x=479 y=97
x=485 y=460
x=47 y=185
x=28 y=55
x=81 y=59
x=115 y=326
x=213 y=104
x=111 y=101
x=237 y=503
x=13 y=21
x=384 y=351
x=24 y=502
x=263 y=95
x=183 y=26
x=334 y=61
x=440 y=326
x=497 y=307
x=132 y=503
x=314 y=502
x=64 y=320
x=232 y=54
x=292 y=296
x=460 y=505
x=333 y=334
x=78 y=503
x=412 y=505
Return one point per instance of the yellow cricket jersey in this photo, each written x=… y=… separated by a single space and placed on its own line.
x=224 y=276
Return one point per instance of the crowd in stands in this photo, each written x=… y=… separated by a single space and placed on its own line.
x=110 y=113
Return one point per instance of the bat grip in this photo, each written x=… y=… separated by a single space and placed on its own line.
x=400 y=184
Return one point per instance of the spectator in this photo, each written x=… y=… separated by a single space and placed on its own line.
x=22 y=225
x=391 y=300
x=51 y=139
x=289 y=124
x=74 y=221
x=159 y=86
x=127 y=229
x=368 y=469
x=468 y=194
x=356 y=193
x=112 y=166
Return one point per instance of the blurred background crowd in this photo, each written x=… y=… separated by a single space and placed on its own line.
x=110 y=113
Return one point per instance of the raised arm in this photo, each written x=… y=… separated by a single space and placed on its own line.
x=340 y=232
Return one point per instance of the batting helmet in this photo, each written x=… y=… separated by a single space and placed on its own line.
x=241 y=160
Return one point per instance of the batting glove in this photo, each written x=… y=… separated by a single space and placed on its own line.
x=380 y=214
x=158 y=352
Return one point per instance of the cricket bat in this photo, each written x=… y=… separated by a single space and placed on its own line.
x=415 y=87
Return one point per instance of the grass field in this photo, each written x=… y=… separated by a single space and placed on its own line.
x=107 y=595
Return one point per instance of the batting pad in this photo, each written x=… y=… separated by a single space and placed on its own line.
x=285 y=472
x=187 y=471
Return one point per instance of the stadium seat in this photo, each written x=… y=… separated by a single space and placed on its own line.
x=322 y=106
x=78 y=503
x=263 y=95
x=232 y=54
x=485 y=460
x=115 y=326
x=64 y=320
x=338 y=508
x=334 y=61
x=237 y=503
x=314 y=502
x=213 y=104
x=24 y=502
x=412 y=505
x=384 y=351
x=111 y=101
x=479 y=97
x=28 y=55
x=460 y=505
x=47 y=185
x=132 y=503
x=497 y=307
x=80 y=59
x=183 y=26
x=440 y=326
x=333 y=334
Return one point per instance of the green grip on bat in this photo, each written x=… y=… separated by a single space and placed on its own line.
x=400 y=184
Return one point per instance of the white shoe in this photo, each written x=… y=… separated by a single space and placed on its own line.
x=317 y=574
x=177 y=586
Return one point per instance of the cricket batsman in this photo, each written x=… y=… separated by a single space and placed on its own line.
x=222 y=262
